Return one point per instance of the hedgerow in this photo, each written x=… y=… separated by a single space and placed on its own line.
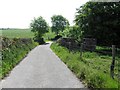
x=13 y=51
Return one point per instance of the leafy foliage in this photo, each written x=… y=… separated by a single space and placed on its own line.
x=73 y=32
x=39 y=26
x=49 y=35
x=100 y=20
x=59 y=23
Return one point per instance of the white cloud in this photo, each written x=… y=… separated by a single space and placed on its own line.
x=19 y=13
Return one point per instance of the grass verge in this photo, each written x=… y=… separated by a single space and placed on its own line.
x=13 y=54
x=92 y=68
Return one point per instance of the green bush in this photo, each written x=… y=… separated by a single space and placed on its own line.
x=49 y=35
x=73 y=32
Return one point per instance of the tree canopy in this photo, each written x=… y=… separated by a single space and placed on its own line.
x=59 y=23
x=100 y=20
x=39 y=26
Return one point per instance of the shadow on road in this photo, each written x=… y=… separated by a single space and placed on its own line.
x=45 y=44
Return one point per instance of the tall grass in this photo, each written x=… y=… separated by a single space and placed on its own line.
x=13 y=54
x=92 y=69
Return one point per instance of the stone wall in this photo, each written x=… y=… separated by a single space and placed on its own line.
x=89 y=44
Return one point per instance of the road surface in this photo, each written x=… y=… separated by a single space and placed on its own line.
x=41 y=69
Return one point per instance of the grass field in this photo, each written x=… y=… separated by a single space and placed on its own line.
x=24 y=33
x=18 y=33
x=93 y=68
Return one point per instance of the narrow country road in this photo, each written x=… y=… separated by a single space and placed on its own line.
x=41 y=69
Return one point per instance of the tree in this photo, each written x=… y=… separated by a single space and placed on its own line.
x=73 y=32
x=100 y=20
x=59 y=23
x=39 y=27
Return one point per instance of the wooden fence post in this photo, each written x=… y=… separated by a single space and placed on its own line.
x=69 y=46
x=113 y=62
x=81 y=50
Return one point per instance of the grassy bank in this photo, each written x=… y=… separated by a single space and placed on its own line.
x=18 y=33
x=13 y=51
x=92 y=68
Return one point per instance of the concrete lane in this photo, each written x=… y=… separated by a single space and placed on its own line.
x=41 y=69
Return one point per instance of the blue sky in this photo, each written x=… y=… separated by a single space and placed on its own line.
x=19 y=13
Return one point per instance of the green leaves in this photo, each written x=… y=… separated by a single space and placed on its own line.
x=39 y=26
x=73 y=32
x=99 y=20
x=59 y=23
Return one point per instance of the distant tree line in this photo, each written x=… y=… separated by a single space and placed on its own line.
x=4 y=28
x=9 y=28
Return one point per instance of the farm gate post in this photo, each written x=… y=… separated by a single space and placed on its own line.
x=113 y=62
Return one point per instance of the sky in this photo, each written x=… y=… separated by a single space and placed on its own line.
x=19 y=13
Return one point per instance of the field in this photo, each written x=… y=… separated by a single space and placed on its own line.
x=17 y=33
x=24 y=33
x=93 y=68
